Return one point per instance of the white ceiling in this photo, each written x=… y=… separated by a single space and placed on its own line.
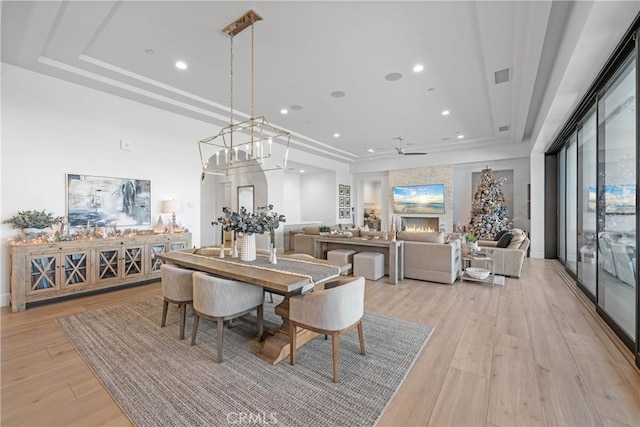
x=306 y=50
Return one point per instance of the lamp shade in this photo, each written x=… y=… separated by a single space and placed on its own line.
x=172 y=206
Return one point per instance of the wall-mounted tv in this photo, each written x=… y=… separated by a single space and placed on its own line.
x=419 y=199
x=619 y=199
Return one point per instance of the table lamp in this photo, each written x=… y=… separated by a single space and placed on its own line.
x=172 y=206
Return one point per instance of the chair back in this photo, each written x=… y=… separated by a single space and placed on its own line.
x=331 y=309
x=219 y=297
x=177 y=282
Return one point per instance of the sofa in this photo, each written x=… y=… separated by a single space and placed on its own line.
x=508 y=261
x=433 y=257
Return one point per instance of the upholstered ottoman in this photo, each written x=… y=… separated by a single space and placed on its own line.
x=370 y=265
x=342 y=257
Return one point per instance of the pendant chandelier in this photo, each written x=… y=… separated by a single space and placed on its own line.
x=247 y=146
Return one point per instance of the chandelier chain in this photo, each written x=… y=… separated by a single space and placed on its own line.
x=252 y=71
x=231 y=80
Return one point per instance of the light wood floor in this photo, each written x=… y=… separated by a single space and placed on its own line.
x=530 y=353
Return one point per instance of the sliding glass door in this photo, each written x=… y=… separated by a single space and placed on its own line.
x=617 y=209
x=587 y=174
x=572 y=206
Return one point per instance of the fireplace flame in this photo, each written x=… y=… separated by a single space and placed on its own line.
x=414 y=229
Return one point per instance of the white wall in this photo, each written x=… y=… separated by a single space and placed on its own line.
x=319 y=198
x=291 y=205
x=51 y=127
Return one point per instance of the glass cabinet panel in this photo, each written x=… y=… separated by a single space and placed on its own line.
x=133 y=261
x=108 y=265
x=76 y=268
x=42 y=272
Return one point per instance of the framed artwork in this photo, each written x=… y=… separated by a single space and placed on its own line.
x=341 y=189
x=341 y=201
x=105 y=201
x=347 y=190
x=347 y=202
x=343 y=213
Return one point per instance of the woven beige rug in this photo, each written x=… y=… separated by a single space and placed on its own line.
x=159 y=380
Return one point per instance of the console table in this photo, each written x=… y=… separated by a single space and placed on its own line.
x=45 y=271
x=392 y=250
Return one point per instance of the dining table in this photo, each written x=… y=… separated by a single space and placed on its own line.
x=288 y=277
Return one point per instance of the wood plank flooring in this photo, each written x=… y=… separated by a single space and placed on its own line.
x=530 y=353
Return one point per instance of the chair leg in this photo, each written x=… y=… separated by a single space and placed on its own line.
x=196 y=320
x=183 y=317
x=219 y=345
x=165 y=306
x=260 y=325
x=292 y=343
x=335 y=341
x=361 y=336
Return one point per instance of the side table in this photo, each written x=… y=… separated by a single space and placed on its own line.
x=475 y=256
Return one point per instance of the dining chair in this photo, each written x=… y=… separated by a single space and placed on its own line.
x=333 y=311
x=219 y=299
x=177 y=288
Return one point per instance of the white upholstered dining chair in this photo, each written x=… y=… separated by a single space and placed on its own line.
x=332 y=312
x=177 y=288
x=219 y=299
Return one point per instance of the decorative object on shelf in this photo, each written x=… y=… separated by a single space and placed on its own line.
x=324 y=230
x=393 y=229
x=172 y=206
x=477 y=273
x=471 y=242
x=221 y=253
x=243 y=147
x=273 y=259
x=489 y=213
x=33 y=223
x=159 y=227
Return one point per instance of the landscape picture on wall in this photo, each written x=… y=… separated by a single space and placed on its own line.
x=104 y=201
x=419 y=199
x=620 y=199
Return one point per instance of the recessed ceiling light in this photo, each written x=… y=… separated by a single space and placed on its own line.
x=301 y=170
x=296 y=107
x=460 y=136
x=446 y=138
x=446 y=112
x=392 y=77
x=338 y=94
x=371 y=150
x=431 y=89
x=284 y=111
x=181 y=65
x=336 y=135
x=417 y=68
x=150 y=51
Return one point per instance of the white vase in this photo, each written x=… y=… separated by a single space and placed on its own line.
x=221 y=254
x=273 y=259
x=248 y=249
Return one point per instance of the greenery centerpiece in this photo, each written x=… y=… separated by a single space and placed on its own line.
x=27 y=221
x=265 y=219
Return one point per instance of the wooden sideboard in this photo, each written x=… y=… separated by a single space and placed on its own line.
x=47 y=271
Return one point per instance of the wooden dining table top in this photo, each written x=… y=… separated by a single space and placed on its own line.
x=286 y=277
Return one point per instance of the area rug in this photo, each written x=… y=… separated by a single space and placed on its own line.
x=159 y=380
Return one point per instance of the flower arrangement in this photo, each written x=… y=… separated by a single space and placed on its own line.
x=264 y=220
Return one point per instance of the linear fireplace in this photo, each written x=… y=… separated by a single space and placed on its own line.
x=413 y=223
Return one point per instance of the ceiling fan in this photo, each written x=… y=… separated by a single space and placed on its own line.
x=401 y=150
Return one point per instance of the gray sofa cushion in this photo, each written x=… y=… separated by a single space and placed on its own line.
x=504 y=240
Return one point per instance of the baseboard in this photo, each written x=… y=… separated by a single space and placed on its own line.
x=5 y=300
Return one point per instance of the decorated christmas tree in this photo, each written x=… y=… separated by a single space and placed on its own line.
x=489 y=209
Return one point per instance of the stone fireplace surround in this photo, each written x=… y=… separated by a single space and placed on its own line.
x=413 y=223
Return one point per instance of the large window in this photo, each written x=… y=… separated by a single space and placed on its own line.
x=572 y=205
x=587 y=173
x=617 y=279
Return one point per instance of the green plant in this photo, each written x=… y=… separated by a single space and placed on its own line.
x=470 y=238
x=33 y=219
x=324 y=229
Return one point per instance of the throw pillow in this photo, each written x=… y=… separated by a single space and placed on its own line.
x=499 y=235
x=518 y=238
x=504 y=240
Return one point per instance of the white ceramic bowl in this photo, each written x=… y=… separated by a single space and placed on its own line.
x=477 y=273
